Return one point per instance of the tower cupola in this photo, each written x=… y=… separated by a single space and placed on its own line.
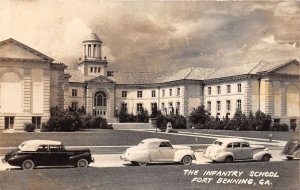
x=92 y=47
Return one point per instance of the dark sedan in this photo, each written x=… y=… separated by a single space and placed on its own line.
x=292 y=149
x=34 y=153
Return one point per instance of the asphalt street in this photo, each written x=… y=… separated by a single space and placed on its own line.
x=109 y=172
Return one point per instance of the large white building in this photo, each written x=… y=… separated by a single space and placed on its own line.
x=31 y=82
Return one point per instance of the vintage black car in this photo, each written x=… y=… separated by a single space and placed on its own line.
x=34 y=153
x=292 y=149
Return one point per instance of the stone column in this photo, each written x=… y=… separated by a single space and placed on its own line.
x=185 y=102
x=202 y=95
x=269 y=98
x=283 y=98
x=92 y=50
x=247 y=104
x=89 y=100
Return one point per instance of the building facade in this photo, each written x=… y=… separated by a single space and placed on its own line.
x=30 y=83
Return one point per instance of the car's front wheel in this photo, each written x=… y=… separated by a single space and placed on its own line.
x=289 y=158
x=82 y=163
x=27 y=164
x=186 y=160
x=228 y=159
x=266 y=158
x=142 y=163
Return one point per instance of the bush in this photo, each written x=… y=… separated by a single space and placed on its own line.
x=46 y=128
x=29 y=127
x=199 y=116
x=279 y=127
x=177 y=121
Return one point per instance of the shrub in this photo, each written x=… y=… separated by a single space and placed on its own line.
x=199 y=115
x=29 y=127
x=177 y=121
x=262 y=121
x=154 y=111
x=46 y=128
x=143 y=116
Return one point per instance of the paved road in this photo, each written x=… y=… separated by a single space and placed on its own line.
x=243 y=175
x=113 y=160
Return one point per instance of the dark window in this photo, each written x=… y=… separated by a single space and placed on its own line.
x=219 y=89
x=139 y=107
x=239 y=87
x=139 y=94
x=37 y=122
x=9 y=122
x=229 y=145
x=124 y=106
x=100 y=99
x=239 y=104
x=74 y=92
x=228 y=105
x=209 y=90
x=236 y=145
x=163 y=93
x=245 y=145
x=74 y=105
x=153 y=93
x=209 y=106
x=178 y=91
x=218 y=106
x=124 y=94
x=228 y=89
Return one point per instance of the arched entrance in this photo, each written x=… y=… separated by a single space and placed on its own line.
x=99 y=105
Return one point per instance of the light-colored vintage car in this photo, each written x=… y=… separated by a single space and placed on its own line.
x=292 y=149
x=158 y=150
x=231 y=149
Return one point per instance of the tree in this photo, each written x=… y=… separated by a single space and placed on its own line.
x=199 y=116
x=154 y=111
x=262 y=121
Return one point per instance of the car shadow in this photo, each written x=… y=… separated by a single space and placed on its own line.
x=47 y=168
x=153 y=164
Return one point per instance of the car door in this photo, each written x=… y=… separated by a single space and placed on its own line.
x=237 y=151
x=41 y=156
x=57 y=155
x=166 y=151
x=246 y=152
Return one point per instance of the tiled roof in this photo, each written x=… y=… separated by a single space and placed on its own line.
x=196 y=73
x=77 y=76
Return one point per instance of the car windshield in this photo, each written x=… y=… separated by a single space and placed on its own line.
x=218 y=143
x=22 y=145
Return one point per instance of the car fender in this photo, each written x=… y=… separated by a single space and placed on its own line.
x=259 y=155
x=222 y=155
x=76 y=157
x=296 y=154
x=139 y=156
x=179 y=154
x=19 y=158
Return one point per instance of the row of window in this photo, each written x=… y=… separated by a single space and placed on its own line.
x=9 y=122
x=95 y=69
x=228 y=105
x=153 y=93
x=239 y=89
x=139 y=107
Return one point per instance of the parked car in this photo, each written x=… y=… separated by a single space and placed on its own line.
x=292 y=149
x=158 y=150
x=32 y=153
x=231 y=149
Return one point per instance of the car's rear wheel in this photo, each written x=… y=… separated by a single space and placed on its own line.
x=186 y=160
x=228 y=159
x=266 y=158
x=134 y=163
x=27 y=164
x=82 y=163
x=142 y=163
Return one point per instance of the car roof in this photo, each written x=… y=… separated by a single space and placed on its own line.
x=229 y=140
x=32 y=145
x=154 y=140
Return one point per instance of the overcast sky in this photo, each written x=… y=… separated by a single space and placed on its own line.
x=157 y=35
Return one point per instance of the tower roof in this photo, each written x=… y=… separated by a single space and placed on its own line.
x=92 y=38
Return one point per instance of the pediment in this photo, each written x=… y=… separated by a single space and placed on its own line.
x=291 y=68
x=101 y=79
x=15 y=50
